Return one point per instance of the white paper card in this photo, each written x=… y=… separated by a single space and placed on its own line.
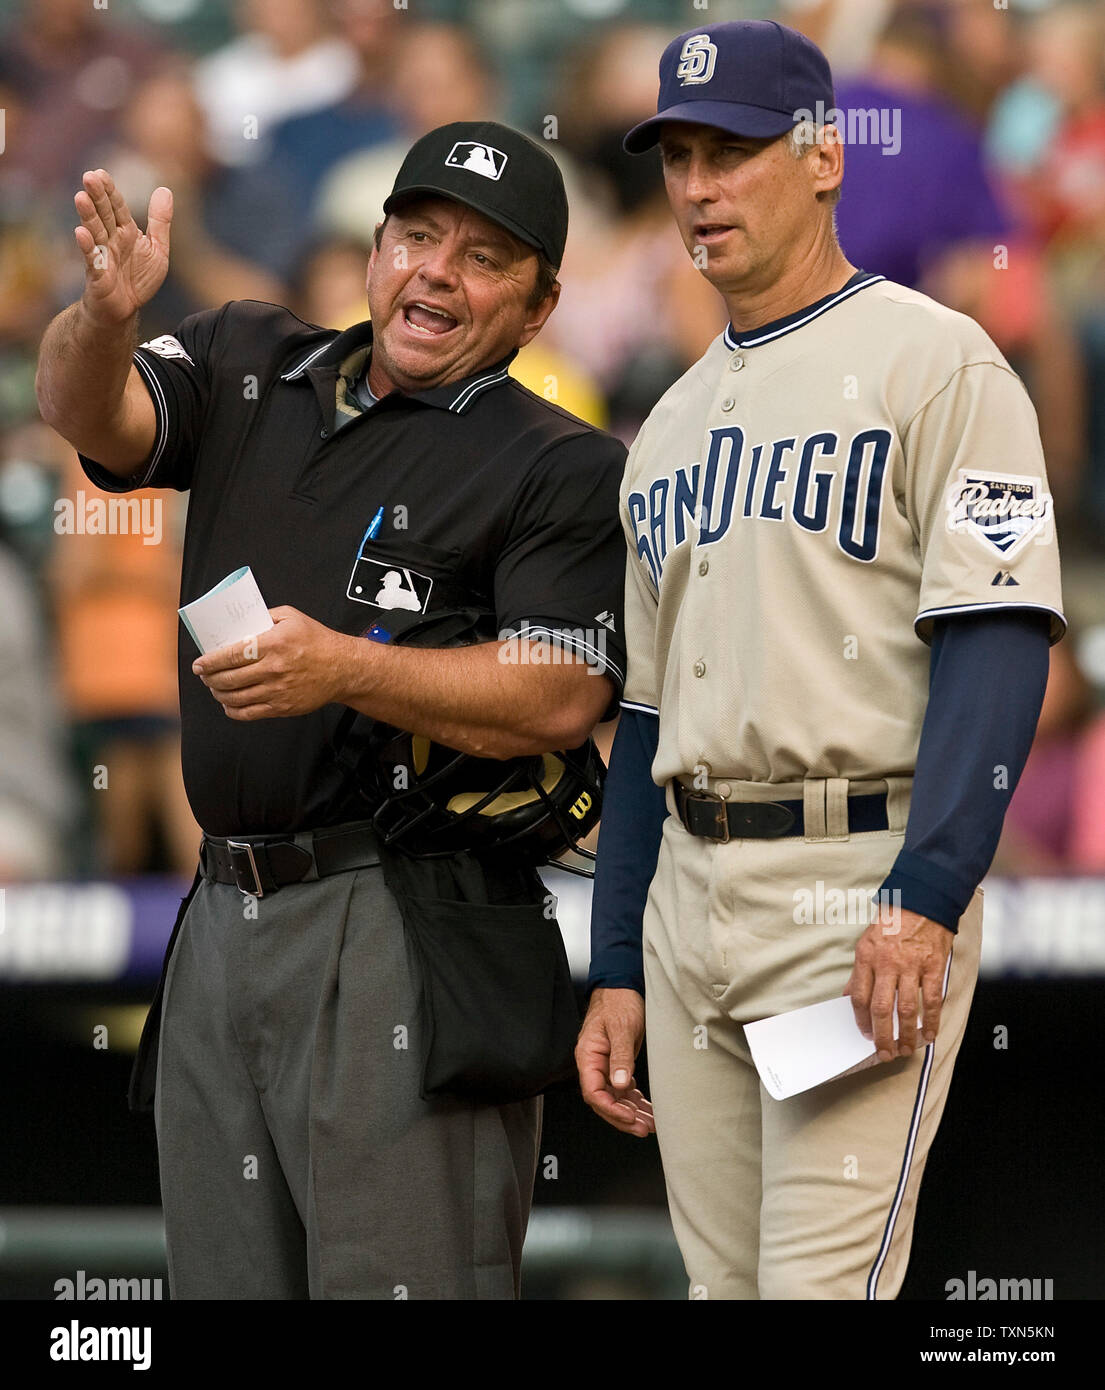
x=796 y=1051
x=230 y=612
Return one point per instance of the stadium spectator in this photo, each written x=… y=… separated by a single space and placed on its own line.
x=1087 y=834
x=115 y=601
x=74 y=67
x=1065 y=191
x=636 y=313
x=285 y=61
x=305 y=148
x=1061 y=102
x=327 y=283
x=232 y=235
x=36 y=795
x=1052 y=824
x=918 y=187
x=921 y=207
x=26 y=268
x=982 y=54
x=440 y=75
x=844 y=30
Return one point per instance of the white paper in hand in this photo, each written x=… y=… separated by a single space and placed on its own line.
x=230 y=612
x=796 y=1051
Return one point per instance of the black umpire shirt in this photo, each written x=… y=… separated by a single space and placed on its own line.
x=475 y=494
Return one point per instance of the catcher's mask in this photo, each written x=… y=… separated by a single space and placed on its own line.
x=434 y=801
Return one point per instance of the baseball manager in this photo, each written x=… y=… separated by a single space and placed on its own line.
x=842 y=584
x=371 y=479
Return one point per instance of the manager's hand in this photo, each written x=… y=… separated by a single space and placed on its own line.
x=903 y=955
x=293 y=668
x=608 y=1044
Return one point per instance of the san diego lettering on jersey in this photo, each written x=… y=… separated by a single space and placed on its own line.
x=818 y=482
x=875 y=453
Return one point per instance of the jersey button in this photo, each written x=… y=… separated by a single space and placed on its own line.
x=736 y=362
x=724 y=790
x=700 y=668
x=728 y=403
x=324 y=434
x=703 y=566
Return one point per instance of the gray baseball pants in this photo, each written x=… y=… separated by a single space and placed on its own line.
x=297 y=1158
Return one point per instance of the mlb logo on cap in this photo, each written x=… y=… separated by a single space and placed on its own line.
x=479 y=159
x=531 y=204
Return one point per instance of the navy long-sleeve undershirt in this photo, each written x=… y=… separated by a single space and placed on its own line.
x=987 y=674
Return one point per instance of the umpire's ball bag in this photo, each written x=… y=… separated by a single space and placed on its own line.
x=498 y=1013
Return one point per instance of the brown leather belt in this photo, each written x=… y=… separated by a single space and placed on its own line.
x=260 y=864
x=709 y=815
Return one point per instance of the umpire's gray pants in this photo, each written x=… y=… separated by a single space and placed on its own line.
x=297 y=1157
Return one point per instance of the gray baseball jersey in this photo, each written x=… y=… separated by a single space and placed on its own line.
x=785 y=559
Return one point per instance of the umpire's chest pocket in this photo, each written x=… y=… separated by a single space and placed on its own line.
x=395 y=577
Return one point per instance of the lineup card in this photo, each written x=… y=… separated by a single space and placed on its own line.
x=796 y=1051
x=230 y=612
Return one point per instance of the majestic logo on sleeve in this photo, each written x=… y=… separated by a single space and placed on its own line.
x=477 y=159
x=1002 y=511
x=697 y=58
x=167 y=346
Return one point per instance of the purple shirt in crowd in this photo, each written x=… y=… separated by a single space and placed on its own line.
x=900 y=210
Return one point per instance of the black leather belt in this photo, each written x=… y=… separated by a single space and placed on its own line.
x=261 y=864
x=705 y=813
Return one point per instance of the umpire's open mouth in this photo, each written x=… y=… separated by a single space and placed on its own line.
x=428 y=320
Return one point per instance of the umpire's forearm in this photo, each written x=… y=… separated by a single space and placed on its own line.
x=84 y=365
x=471 y=699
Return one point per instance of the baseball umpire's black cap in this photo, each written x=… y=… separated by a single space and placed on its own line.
x=751 y=77
x=495 y=170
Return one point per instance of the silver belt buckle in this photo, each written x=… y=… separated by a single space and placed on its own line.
x=256 y=891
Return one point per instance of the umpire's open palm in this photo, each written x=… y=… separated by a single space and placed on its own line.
x=124 y=268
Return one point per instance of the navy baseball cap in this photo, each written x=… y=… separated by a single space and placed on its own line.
x=749 y=77
x=497 y=171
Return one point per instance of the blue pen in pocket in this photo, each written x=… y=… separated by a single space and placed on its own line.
x=372 y=531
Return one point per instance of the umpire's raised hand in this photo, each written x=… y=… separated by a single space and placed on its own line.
x=124 y=268
x=87 y=385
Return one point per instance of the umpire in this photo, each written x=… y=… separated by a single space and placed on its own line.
x=371 y=479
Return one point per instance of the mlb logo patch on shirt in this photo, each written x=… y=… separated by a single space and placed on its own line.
x=167 y=346
x=1004 y=512
x=477 y=158
x=383 y=584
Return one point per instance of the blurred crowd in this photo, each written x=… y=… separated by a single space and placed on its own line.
x=279 y=126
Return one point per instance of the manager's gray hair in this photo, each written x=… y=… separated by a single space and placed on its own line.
x=799 y=138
